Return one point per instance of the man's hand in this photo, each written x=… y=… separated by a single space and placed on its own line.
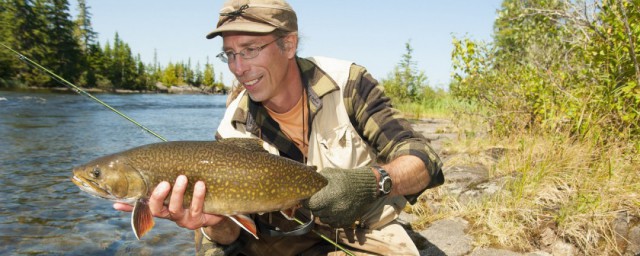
x=191 y=218
x=345 y=199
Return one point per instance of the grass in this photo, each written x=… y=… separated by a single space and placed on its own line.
x=556 y=188
x=439 y=107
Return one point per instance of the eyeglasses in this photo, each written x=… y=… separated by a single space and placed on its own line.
x=246 y=53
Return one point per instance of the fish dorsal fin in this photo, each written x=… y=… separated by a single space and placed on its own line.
x=250 y=144
x=245 y=223
x=141 y=218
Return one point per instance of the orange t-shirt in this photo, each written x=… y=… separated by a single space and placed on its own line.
x=294 y=123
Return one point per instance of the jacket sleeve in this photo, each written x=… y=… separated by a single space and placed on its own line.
x=371 y=113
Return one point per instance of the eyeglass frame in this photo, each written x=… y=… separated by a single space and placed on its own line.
x=224 y=55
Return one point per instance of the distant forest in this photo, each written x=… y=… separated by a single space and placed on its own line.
x=45 y=31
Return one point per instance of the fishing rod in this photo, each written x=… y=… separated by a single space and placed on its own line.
x=80 y=91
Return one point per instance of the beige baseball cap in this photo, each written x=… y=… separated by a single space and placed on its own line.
x=256 y=16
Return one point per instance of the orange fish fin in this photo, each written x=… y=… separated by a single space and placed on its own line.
x=289 y=213
x=245 y=223
x=141 y=218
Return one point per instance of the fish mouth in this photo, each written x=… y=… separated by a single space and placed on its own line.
x=92 y=188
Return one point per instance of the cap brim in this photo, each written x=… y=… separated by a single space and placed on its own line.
x=242 y=26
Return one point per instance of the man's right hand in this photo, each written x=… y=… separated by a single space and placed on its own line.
x=192 y=217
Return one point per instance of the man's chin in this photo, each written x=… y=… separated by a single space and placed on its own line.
x=255 y=96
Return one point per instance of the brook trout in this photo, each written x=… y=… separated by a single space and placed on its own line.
x=241 y=177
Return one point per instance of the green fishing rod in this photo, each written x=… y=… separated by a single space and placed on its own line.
x=85 y=93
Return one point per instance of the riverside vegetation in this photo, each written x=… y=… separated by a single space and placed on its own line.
x=43 y=30
x=556 y=96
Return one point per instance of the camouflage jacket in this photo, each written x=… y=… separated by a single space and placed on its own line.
x=386 y=134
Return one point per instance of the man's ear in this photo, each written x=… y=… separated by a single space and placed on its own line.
x=291 y=44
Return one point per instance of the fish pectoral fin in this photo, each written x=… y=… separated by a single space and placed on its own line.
x=245 y=223
x=141 y=218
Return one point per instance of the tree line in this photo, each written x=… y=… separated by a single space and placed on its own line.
x=44 y=31
x=557 y=65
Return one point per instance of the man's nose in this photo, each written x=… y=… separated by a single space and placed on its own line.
x=239 y=66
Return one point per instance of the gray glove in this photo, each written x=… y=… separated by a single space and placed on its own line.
x=345 y=198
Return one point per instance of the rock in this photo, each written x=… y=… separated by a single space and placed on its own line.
x=437 y=131
x=405 y=219
x=634 y=241
x=493 y=252
x=560 y=248
x=461 y=177
x=538 y=253
x=496 y=153
x=467 y=178
x=160 y=87
x=448 y=237
x=627 y=233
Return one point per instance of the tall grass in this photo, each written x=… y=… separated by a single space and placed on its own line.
x=556 y=189
x=442 y=106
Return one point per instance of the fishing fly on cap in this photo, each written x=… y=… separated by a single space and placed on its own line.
x=255 y=16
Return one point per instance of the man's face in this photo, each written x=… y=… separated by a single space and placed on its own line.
x=263 y=76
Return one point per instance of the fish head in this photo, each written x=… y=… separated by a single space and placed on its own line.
x=111 y=177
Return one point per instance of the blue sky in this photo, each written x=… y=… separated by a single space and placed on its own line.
x=371 y=33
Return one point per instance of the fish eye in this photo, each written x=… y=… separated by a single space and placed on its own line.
x=96 y=172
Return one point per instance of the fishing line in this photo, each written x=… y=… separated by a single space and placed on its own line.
x=87 y=94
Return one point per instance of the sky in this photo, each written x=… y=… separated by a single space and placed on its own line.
x=371 y=33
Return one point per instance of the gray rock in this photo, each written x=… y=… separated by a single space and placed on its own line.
x=405 y=219
x=448 y=237
x=561 y=248
x=493 y=252
x=634 y=241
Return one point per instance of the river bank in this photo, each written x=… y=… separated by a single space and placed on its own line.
x=473 y=182
x=159 y=88
x=449 y=236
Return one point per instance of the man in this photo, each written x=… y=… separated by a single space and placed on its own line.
x=324 y=112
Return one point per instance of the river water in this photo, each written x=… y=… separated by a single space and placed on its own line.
x=44 y=135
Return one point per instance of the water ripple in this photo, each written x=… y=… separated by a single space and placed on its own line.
x=44 y=135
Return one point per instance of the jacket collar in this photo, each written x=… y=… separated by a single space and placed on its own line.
x=315 y=79
x=258 y=122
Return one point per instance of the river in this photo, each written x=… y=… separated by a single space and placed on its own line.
x=44 y=135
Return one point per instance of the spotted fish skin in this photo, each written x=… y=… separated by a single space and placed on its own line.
x=240 y=176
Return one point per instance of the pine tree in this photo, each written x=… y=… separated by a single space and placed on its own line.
x=129 y=67
x=189 y=74
x=63 y=51
x=8 y=61
x=208 y=79
x=406 y=83
x=25 y=24
x=83 y=29
x=199 y=76
x=121 y=68
x=142 y=79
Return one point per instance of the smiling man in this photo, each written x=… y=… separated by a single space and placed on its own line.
x=320 y=111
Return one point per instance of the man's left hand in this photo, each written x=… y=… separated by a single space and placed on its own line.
x=345 y=198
